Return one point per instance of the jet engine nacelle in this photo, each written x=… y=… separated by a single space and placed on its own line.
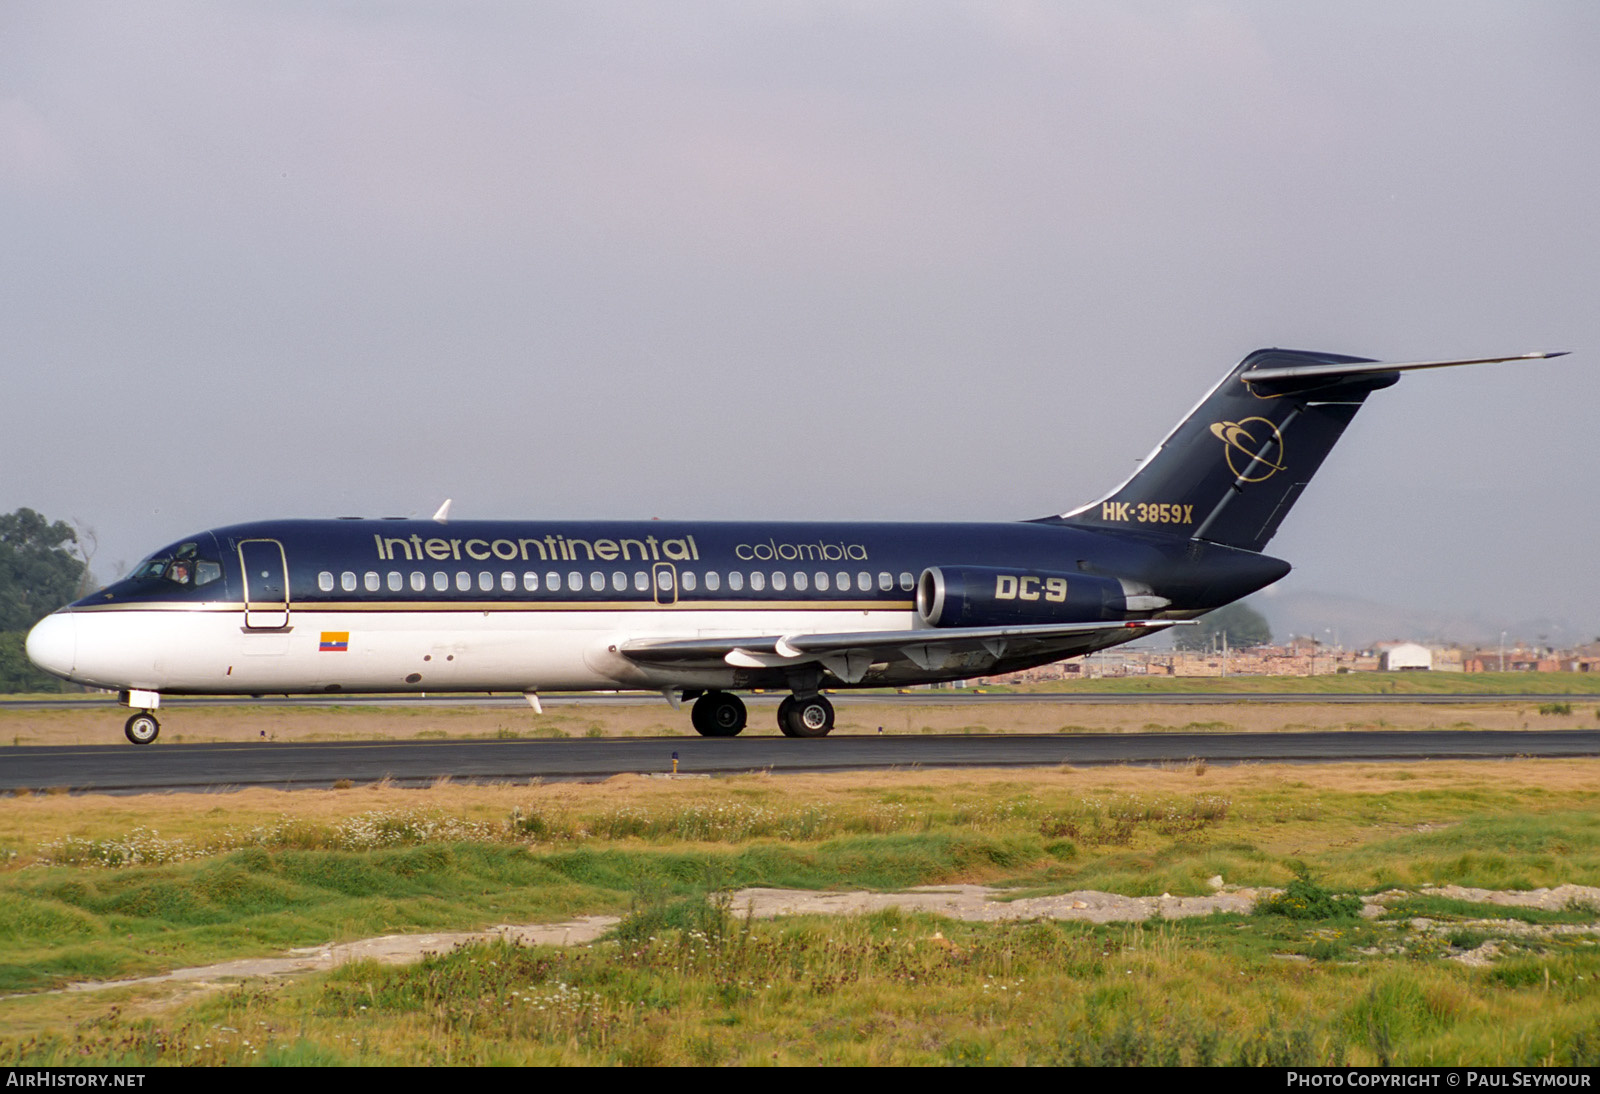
x=977 y=596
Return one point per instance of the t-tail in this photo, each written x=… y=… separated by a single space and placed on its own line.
x=1232 y=469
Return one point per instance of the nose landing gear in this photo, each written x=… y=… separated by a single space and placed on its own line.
x=142 y=728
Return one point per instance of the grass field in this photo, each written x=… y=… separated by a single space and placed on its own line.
x=101 y=887
x=254 y=722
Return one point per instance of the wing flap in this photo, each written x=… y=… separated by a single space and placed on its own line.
x=924 y=646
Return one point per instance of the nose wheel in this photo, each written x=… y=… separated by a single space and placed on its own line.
x=142 y=728
x=808 y=717
x=718 y=714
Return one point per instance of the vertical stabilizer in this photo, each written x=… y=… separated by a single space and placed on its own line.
x=1232 y=469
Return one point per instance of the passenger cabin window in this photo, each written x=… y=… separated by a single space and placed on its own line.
x=822 y=582
x=463 y=580
x=441 y=581
x=396 y=582
x=485 y=581
x=325 y=581
x=688 y=582
x=885 y=583
x=371 y=581
x=347 y=581
x=619 y=582
x=906 y=582
x=780 y=580
x=800 y=582
x=736 y=581
x=530 y=582
x=713 y=582
x=552 y=581
x=575 y=582
x=508 y=582
x=758 y=581
x=419 y=581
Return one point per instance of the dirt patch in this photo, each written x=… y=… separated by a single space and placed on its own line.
x=972 y=903
x=969 y=903
x=981 y=904
x=391 y=949
x=1557 y=899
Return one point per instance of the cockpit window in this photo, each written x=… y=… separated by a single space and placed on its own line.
x=181 y=565
x=150 y=567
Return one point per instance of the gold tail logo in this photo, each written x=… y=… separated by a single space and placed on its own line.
x=1253 y=448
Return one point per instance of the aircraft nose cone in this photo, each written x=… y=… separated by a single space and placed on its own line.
x=53 y=644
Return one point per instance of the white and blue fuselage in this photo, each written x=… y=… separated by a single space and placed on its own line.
x=700 y=609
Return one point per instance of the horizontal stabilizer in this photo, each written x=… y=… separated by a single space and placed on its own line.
x=1321 y=371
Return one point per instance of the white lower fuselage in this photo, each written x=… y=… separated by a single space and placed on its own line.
x=207 y=649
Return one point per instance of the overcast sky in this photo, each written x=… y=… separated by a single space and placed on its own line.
x=809 y=260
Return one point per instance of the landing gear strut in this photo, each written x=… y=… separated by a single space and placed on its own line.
x=811 y=716
x=718 y=714
x=142 y=728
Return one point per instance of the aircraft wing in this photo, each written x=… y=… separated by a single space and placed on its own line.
x=848 y=655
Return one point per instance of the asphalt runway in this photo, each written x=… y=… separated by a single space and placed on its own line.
x=132 y=769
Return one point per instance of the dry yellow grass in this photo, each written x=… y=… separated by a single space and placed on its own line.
x=181 y=723
x=26 y=822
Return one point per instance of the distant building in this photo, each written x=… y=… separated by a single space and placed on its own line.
x=1405 y=657
x=1306 y=656
x=1519 y=659
x=1583 y=659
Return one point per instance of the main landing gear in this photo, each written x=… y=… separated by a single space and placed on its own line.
x=142 y=728
x=811 y=716
x=718 y=714
x=721 y=714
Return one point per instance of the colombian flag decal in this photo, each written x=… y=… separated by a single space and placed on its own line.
x=335 y=642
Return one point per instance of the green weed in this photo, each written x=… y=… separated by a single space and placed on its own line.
x=1304 y=899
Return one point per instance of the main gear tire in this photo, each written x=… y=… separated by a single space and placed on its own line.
x=808 y=717
x=718 y=714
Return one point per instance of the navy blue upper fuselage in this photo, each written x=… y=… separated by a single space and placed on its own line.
x=1193 y=574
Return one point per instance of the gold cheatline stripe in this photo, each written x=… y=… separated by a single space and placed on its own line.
x=518 y=606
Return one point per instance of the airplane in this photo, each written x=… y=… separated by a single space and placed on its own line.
x=702 y=610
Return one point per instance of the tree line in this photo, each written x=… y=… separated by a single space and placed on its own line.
x=42 y=567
